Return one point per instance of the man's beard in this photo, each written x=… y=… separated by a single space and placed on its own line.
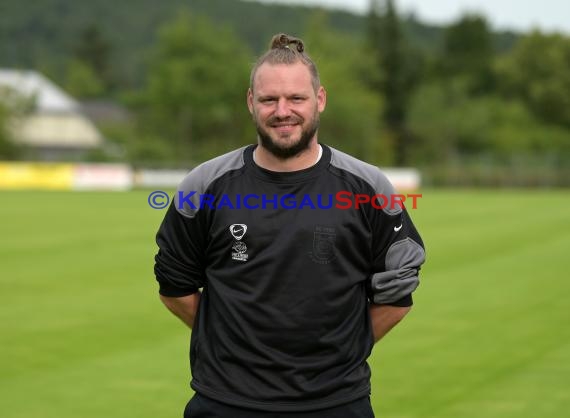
x=283 y=151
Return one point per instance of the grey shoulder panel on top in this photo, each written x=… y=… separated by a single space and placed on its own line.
x=369 y=173
x=199 y=179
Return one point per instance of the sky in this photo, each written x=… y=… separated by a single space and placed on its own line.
x=518 y=15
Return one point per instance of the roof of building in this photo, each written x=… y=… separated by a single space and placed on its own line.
x=56 y=121
x=48 y=96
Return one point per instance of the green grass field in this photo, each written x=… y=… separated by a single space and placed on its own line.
x=83 y=334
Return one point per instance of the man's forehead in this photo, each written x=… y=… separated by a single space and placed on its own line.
x=283 y=75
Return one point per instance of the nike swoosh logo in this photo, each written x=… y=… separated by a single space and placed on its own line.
x=397 y=228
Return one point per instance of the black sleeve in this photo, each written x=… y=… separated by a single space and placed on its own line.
x=398 y=255
x=179 y=263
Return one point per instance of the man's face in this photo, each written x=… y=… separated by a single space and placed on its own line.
x=285 y=108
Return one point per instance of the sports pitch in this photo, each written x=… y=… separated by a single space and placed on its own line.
x=83 y=334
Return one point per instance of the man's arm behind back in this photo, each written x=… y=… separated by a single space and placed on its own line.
x=184 y=307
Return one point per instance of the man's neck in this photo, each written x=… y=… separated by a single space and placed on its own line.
x=305 y=159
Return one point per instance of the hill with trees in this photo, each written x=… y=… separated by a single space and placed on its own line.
x=465 y=104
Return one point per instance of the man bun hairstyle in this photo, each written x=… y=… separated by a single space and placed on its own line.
x=282 y=40
x=288 y=50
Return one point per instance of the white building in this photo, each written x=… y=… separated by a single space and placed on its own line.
x=55 y=129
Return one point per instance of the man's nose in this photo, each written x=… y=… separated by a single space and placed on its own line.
x=282 y=110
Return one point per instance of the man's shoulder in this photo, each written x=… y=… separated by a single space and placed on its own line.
x=207 y=172
x=197 y=181
x=364 y=171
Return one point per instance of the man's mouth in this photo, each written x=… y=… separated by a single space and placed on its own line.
x=284 y=128
x=281 y=124
x=286 y=123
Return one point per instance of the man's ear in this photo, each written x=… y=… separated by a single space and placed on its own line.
x=250 y=100
x=321 y=99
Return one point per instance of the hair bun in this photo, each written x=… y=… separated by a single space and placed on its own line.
x=283 y=40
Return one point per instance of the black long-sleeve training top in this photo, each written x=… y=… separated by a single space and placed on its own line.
x=288 y=267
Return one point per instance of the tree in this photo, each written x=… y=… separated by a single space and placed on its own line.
x=350 y=120
x=454 y=125
x=399 y=73
x=536 y=71
x=82 y=81
x=92 y=52
x=194 y=96
x=13 y=107
x=8 y=150
x=468 y=52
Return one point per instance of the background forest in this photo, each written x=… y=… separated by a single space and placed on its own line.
x=464 y=104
